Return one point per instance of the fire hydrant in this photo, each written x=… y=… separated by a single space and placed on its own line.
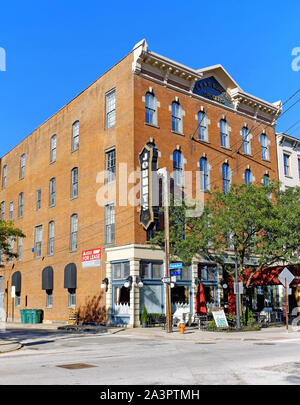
x=181 y=328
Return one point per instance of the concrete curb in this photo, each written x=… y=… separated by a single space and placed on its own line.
x=9 y=346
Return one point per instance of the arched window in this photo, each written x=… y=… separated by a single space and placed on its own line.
x=151 y=109
x=202 y=124
x=74 y=185
x=75 y=136
x=226 y=177
x=22 y=166
x=266 y=180
x=178 y=168
x=176 y=117
x=52 y=192
x=4 y=174
x=247 y=176
x=246 y=141
x=51 y=231
x=204 y=174
x=53 y=149
x=224 y=133
x=264 y=147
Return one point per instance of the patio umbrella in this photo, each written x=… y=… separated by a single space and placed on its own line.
x=200 y=301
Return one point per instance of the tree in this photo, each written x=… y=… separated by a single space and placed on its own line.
x=250 y=221
x=7 y=232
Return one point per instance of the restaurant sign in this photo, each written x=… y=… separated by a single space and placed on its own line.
x=148 y=163
x=210 y=88
x=91 y=258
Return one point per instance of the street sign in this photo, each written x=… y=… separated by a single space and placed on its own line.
x=175 y=266
x=173 y=279
x=13 y=291
x=166 y=280
x=286 y=275
x=175 y=272
x=238 y=288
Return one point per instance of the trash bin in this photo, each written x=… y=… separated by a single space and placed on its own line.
x=37 y=315
x=40 y=315
x=28 y=315
x=23 y=316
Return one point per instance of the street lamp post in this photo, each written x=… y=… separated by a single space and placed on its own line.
x=237 y=296
x=164 y=174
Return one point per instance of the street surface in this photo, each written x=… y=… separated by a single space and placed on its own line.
x=125 y=358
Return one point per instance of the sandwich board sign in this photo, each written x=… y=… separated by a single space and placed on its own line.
x=220 y=317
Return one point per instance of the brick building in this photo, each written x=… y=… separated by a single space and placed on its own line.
x=73 y=184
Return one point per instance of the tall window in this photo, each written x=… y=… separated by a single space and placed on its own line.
x=4 y=174
x=22 y=166
x=53 y=149
x=2 y=210
x=74 y=232
x=52 y=192
x=176 y=117
x=246 y=141
x=75 y=136
x=178 y=168
x=247 y=176
x=51 y=231
x=110 y=107
x=109 y=224
x=204 y=174
x=202 y=123
x=224 y=133
x=110 y=165
x=10 y=249
x=226 y=177
x=38 y=199
x=266 y=180
x=21 y=205
x=74 y=187
x=286 y=164
x=38 y=241
x=11 y=210
x=20 y=245
x=264 y=147
x=151 y=109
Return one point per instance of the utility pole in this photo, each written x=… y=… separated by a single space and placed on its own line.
x=164 y=174
x=237 y=295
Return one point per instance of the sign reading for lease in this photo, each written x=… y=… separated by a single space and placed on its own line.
x=91 y=258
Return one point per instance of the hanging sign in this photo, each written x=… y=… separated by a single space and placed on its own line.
x=148 y=163
x=91 y=258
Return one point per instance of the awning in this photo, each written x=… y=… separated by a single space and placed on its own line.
x=70 y=276
x=200 y=301
x=16 y=281
x=47 y=278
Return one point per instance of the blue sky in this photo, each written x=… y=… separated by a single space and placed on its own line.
x=55 y=49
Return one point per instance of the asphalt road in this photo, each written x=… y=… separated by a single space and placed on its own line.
x=54 y=358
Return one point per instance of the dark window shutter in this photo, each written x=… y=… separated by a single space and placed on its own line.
x=47 y=278
x=70 y=276
x=16 y=281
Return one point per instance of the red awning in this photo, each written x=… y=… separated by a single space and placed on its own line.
x=200 y=301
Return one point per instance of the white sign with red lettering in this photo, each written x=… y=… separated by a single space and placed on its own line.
x=91 y=258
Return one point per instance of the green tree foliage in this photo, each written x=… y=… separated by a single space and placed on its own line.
x=8 y=230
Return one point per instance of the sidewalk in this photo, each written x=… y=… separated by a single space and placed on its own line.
x=195 y=335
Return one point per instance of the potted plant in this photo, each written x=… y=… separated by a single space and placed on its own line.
x=144 y=317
